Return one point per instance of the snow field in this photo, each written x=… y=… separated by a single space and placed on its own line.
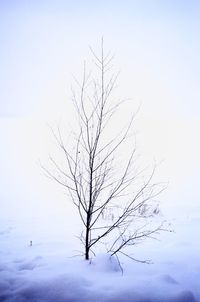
x=44 y=272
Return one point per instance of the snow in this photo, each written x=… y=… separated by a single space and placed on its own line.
x=45 y=272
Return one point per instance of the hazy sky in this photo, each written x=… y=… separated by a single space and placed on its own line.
x=156 y=46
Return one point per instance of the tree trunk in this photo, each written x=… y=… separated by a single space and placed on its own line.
x=87 y=248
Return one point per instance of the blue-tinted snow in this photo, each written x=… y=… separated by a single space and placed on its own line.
x=44 y=272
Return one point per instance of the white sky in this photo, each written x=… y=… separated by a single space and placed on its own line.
x=156 y=46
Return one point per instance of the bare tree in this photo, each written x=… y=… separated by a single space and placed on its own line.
x=114 y=200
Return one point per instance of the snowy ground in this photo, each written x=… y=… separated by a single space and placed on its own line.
x=44 y=272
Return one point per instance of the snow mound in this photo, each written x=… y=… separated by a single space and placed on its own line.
x=184 y=296
x=106 y=263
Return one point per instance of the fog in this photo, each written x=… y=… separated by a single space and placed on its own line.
x=156 y=49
